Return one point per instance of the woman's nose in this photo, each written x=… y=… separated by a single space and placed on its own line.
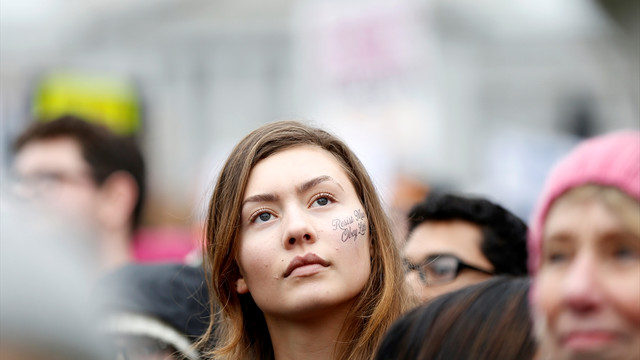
x=582 y=291
x=298 y=228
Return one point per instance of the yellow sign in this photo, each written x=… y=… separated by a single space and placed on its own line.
x=111 y=101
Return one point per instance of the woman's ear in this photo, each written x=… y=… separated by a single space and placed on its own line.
x=241 y=286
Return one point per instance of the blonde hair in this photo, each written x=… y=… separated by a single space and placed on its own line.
x=239 y=329
x=621 y=205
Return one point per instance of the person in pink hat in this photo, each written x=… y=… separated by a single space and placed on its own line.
x=584 y=252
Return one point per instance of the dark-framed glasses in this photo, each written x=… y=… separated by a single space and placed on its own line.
x=441 y=269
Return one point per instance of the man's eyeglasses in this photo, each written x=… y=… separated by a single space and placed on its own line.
x=441 y=269
x=40 y=182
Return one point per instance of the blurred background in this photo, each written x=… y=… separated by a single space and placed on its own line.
x=476 y=96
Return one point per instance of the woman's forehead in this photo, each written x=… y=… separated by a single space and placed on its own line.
x=581 y=218
x=296 y=164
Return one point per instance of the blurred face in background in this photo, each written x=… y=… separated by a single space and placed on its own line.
x=455 y=240
x=53 y=172
x=587 y=298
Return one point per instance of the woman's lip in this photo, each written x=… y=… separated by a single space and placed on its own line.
x=588 y=339
x=306 y=270
x=304 y=262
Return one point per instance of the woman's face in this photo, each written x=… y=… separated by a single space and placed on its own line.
x=304 y=242
x=587 y=303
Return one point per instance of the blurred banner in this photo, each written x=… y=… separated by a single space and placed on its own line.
x=111 y=101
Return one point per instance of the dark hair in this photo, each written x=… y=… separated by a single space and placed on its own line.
x=504 y=241
x=489 y=320
x=104 y=151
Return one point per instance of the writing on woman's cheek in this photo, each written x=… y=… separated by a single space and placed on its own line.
x=351 y=226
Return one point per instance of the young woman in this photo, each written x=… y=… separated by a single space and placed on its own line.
x=584 y=252
x=301 y=252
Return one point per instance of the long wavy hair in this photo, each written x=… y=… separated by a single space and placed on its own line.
x=238 y=329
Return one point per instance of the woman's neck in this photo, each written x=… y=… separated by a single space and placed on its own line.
x=312 y=338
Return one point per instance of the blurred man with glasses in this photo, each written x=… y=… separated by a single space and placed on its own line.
x=456 y=241
x=87 y=174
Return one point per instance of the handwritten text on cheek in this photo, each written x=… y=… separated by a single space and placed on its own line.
x=351 y=226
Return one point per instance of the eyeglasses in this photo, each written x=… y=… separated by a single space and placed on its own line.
x=441 y=269
x=43 y=181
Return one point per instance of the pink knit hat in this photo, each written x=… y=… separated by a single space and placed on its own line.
x=610 y=160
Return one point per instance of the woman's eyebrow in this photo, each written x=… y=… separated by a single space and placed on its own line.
x=562 y=237
x=315 y=181
x=307 y=185
x=260 y=198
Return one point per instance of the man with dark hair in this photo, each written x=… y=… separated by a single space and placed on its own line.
x=455 y=241
x=87 y=173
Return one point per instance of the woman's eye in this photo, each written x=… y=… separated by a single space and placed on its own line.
x=322 y=200
x=625 y=253
x=262 y=217
x=556 y=257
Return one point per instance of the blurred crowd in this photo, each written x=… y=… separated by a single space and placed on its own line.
x=315 y=236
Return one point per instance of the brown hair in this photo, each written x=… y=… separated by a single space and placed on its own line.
x=489 y=320
x=621 y=205
x=240 y=328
